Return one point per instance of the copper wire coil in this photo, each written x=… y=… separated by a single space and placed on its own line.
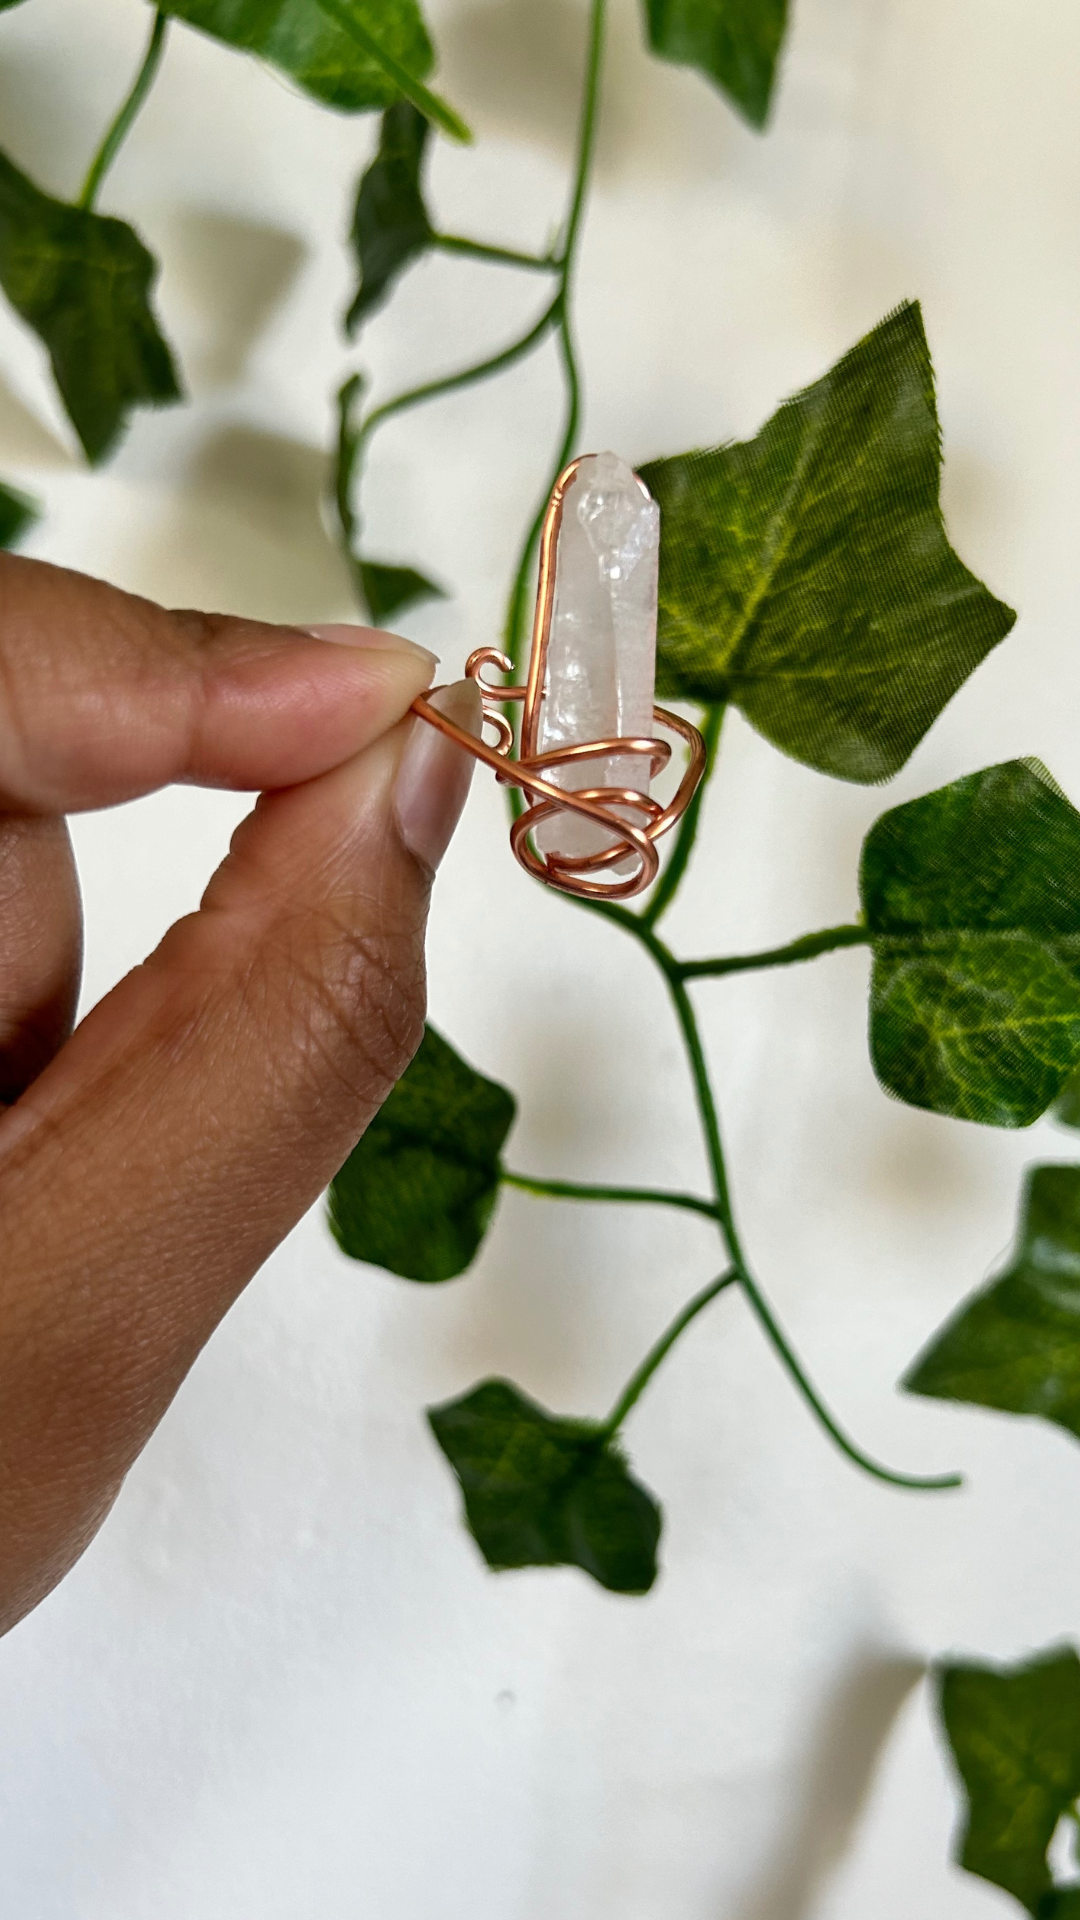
x=607 y=807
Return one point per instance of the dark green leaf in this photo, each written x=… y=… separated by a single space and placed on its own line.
x=806 y=574
x=972 y=899
x=83 y=283
x=390 y=590
x=1016 y=1344
x=733 y=42
x=545 y=1492
x=1015 y=1737
x=418 y=1192
x=1064 y=1904
x=18 y=514
x=390 y=226
x=352 y=54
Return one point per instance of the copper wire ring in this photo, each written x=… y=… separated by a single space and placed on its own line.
x=634 y=838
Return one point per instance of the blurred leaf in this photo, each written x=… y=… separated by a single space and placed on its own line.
x=18 y=513
x=545 y=1492
x=385 y=590
x=972 y=899
x=417 y=1193
x=83 y=283
x=390 y=226
x=390 y=590
x=733 y=42
x=1015 y=1737
x=1016 y=1344
x=1066 y=1108
x=806 y=575
x=1061 y=1905
x=351 y=54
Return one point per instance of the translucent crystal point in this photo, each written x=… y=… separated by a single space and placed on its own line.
x=601 y=663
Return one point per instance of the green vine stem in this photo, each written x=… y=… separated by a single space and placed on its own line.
x=643 y=1196
x=671 y=970
x=465 y=377
x=640 y=1378
x=514 y=624
x=125 y=119
x=830 y=940
x=668 y=884
x=498 y=256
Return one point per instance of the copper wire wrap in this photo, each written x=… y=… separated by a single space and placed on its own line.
x=589 y=876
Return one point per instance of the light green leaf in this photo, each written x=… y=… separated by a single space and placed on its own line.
x=735 y=43
x=18 y=513
x=390 y=226
x=351 y=54
x=1015 y=1737
x=1016 y=1344
x=806 y=575
x=391 y=590
x=972 y=899
x=417 y=1193
x=546 y=1492
x=83 y=282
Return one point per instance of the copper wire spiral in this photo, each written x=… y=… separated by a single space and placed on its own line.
x=634 y=838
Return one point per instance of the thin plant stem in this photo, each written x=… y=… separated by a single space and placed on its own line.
x=465 y=377
x=513 y=629
x=125 y=119
x=498 y=256
x=830 y=940
x=668 y=884
x=671 y=969
x=766 y=1317
x=640 y=1378
x=642 y=1196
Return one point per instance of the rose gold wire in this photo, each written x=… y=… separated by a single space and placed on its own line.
x=571 y=873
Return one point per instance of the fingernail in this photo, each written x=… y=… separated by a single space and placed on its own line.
x=433 y=778
x=370 y=637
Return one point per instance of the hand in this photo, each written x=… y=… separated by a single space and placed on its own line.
x=152 y=1161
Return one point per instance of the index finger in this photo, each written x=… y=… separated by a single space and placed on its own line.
x=104 y=696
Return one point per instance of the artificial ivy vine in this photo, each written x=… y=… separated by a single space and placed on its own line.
x=806 y=578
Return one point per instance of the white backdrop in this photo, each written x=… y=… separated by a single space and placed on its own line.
x=282 y=1684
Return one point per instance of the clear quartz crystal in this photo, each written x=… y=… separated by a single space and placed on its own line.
x=601 y=663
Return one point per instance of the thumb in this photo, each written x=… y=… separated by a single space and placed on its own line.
x=195 y=1115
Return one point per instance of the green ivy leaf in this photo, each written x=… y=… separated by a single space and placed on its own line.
x=806 y=575
x=1015 y=1737
x=735 y=43
x=18 y=513
x=971 y=896
x=390 y=226
x=546 y=1492
x=417 y=1193
x=83 y=282
x=351 y=54
x=1016 y=1343
x=391 y=590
